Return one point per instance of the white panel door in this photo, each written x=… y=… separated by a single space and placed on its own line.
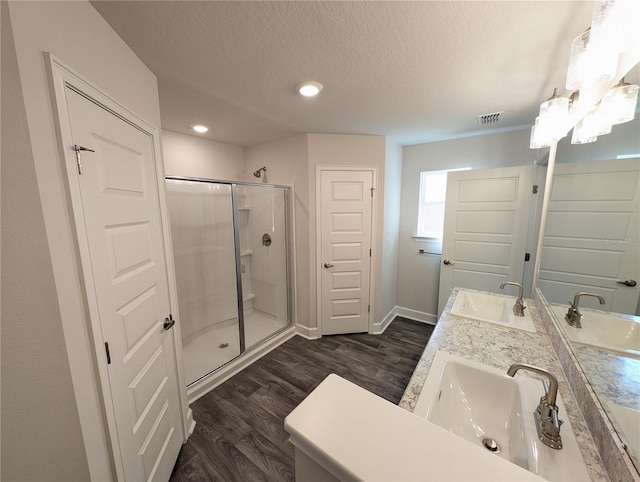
x=485 y=229
x=345 y=228
x=128 y=288
x=591 y=238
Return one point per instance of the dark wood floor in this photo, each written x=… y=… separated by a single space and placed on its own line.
x=240 y=433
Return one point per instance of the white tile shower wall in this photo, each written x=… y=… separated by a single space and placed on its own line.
x=268 y=262
x=202 y=231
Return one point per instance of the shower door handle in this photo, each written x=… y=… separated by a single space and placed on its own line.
x=328 y=265
x=168 y=322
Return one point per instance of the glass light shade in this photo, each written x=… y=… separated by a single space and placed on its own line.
x=554 y=116
x=539 y=138
x=590 y=62
x=582 y=134
x=619 y=104
x=603 y=24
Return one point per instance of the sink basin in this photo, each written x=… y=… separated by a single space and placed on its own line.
x=482 y=405
x=605 y=330
x=628 y=421
x=491 y=309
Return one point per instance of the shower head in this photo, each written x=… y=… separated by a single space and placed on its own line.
x=258 y=173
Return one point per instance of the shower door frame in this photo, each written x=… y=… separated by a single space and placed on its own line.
x=288 y=230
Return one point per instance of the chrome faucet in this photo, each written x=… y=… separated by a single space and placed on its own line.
x=518 y=308
x=574 y=316
x=546 y=414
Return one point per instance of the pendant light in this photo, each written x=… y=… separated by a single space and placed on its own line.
x=619 y=104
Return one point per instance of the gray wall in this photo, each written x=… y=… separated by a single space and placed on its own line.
x=624 y=139
x=193 y=156
x=41 y=435
x=386 y=301
x=53 y=423
x=419 y=275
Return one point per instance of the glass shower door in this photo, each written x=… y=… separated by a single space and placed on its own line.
x=264 y=258
x=202 y=230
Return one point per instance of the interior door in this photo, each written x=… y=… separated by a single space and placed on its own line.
x=485 y=229
x=591 y=234
x=345 y=230
x=127 y=287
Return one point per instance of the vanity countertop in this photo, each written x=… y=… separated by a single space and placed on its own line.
x=500 y=347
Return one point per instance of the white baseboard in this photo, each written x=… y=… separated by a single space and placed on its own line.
x=308 y=333
x=378 y=328
x=191 y=423
x=233 y=367
x=416 y=315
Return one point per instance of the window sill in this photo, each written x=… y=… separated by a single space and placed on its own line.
x=426 y=238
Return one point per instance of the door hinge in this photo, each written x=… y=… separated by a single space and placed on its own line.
x=369 y=252
x=368 y=308
x=535 y=189
x=106 y=348
x=372 y=189
x=527 y=256
x=77 y=150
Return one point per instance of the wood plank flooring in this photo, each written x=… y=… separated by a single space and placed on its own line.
x=240 y=433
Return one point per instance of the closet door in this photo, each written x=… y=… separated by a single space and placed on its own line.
x=122 y=251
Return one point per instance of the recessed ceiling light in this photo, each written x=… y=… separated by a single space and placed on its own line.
x=309 y=88
x=200 y=129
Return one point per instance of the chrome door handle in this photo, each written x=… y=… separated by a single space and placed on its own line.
x=328 y=265
x=629 y=282
x=168 y=322
x=447 y=262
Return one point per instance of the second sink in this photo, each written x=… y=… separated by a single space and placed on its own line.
x=491 y=309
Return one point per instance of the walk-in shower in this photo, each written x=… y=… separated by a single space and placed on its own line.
x=231 y=252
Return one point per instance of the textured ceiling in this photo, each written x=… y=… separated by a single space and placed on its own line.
x=415 y=71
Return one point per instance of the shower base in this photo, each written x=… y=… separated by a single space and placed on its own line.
x=213 y=348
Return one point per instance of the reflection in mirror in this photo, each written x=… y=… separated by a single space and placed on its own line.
x=592 y=244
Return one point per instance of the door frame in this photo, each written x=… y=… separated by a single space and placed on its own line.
x=372 y=259
x=91 y=387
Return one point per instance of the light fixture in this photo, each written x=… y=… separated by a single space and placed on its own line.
x=539 y=137
x=598 y=55
x=590 y=127
x=618 y=105
x=554 y=116
x=309 y=88
x=200 y=129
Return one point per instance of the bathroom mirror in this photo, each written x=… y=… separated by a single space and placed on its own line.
x=592 y=244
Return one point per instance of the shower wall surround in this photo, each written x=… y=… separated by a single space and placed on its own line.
x=230 y=242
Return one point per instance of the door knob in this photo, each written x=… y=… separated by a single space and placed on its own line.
x=447 y=262
x=168 y=322
x=328 y=265
x=629 y=282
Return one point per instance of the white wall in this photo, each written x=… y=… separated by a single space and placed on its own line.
x=386 y=300
x=43 y=440
x=419 y=275
x=192 y=156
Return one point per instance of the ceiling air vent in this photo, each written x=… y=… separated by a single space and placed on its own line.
x=490 y=119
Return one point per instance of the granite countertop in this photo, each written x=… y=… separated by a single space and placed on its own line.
x=500 y=347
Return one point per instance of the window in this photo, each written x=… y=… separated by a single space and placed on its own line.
x=433 y=191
